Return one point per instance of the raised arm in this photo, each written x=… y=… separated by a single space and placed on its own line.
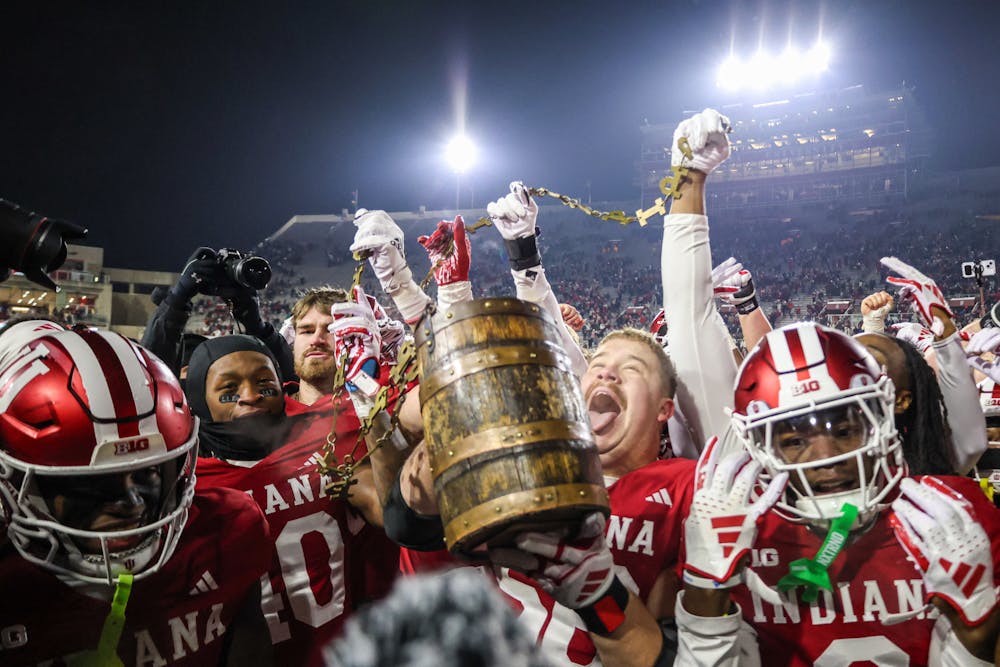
x=699 y=348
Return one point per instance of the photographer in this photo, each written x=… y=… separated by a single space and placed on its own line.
x=225 y=274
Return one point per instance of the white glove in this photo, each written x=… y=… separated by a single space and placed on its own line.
x=706 y=133
x=514 y=215
x=986 y=340
x=733 y=284
x=721 y=525
x=356 y=331
x=575 y=572
x=287 y=331
x=922 y=291
x=938 y=530
x=382 y=237
x=915 y=334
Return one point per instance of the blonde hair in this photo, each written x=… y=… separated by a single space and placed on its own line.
x=665 y=367
x=321 y=297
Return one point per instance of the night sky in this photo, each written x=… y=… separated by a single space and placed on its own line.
x=166 y=125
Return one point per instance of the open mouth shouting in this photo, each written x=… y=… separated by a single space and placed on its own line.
x=604 y=407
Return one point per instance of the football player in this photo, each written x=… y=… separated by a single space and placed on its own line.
x=329 y=554
x=812 y=406
x=112 y=557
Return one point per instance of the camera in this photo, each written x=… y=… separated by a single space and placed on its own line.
x=979 y=269
x=245 y=269
x=33 y=244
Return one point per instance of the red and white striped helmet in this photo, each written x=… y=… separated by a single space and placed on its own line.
x=88 y=410
x=803 y=370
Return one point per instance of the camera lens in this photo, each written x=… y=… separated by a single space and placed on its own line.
x=253 y=272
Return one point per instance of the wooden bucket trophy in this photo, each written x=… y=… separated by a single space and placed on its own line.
x=507 y=431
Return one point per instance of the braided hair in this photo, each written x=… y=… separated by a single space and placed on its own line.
x=923 y=426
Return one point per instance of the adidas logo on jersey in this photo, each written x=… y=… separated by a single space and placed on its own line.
x=313 y=460
x=660 y=497
x=206 y=583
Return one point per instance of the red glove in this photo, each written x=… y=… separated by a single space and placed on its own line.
x=454 y=267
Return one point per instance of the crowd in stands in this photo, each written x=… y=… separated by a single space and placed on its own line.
x=611 y=273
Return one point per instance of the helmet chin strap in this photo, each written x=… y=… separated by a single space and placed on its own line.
x=832 y=506
x=811 y=573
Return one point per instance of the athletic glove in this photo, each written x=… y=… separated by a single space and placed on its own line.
x=379 y=235
x=721 y=525
x=576 y=572
x=707 y=135
x=915 y=334
x=451 y=265
x=941 y=535
x=514 y=215
x=921 y=291
x=356 y=332
x=733 y=284
x=986 y=340
x=201 y=270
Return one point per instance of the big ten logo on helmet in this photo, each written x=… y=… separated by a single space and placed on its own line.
x=13 y=636
x=131 y=446
x=805 y=387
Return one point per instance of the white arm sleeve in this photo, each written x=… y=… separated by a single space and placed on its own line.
x=449 y=295
x=698 y=346
x=947 y=651
x=961 y=397
x=532 y=286
x=723 y=641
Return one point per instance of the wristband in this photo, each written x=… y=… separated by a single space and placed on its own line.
x=523 y=252
x=407 y=528
x=747 y=306
x=608 y=613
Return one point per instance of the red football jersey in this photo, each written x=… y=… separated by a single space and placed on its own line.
x=644 y=532
x=326 y=560
x=176 y=616
x=871 y=579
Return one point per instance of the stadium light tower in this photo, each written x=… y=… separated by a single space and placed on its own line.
x=765 y=70
x=460 y=153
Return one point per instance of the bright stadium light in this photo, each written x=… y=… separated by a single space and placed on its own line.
x=765 y=70
x=460 y=153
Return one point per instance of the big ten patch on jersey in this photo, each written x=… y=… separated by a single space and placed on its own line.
x=872 y=582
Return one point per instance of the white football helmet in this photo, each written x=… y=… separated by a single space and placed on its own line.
x=803 y=380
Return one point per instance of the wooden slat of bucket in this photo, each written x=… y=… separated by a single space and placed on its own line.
x=523 y=506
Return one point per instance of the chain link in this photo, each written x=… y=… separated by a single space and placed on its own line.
x=669 y=186
x=406 y=369
x=341 y=473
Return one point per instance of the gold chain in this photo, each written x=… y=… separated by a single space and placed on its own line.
x=404 y=372
x=406 y=368
x=669 y=186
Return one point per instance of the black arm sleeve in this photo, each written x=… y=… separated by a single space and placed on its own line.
x=163 y=333
x=280 y=349
x=409 y=529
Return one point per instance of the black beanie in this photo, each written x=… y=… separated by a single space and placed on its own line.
x=206 y=354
